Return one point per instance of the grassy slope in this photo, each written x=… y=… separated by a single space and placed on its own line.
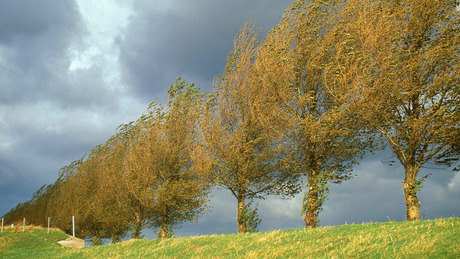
x=423 y=239
x=33 y=243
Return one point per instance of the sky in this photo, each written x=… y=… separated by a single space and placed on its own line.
x=72 y=71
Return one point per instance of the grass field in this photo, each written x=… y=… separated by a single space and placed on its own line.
x=422 y=239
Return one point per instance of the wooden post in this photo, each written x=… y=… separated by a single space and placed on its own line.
x=73 y=226
x=24 y=225
x=48 y=225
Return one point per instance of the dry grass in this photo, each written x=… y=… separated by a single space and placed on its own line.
x=422 y=239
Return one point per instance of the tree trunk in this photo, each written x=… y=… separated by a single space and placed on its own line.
x=115 y=238
x=97 y=241
x=311 y=208
x=137 y=227
x=410 y=194
x=164 y=230
x=137 y=230
x=240 y=218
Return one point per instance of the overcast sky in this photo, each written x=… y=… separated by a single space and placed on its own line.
x=72 y=71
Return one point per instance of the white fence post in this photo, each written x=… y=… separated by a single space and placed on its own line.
x=73 y=226
x=48 y=225
x=24 y=225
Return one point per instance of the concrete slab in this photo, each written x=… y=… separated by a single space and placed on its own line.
x=72 y=242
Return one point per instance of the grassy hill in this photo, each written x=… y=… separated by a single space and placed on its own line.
x=422 y=239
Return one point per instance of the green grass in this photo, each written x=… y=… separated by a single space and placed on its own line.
x=422 y=239
x=33 y=243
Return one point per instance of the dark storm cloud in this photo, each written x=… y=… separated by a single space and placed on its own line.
x=49 y=116
x=35 y=42
x=23 y=19
x=440 y=195
x=220 y=219
x=34 y=38
x=21 y=174
x=373 y=195
x=190 y=39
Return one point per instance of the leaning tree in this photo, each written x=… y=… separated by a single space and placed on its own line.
x=246 y=157
x=164 y=168
x=298 y=102
x=400 y=61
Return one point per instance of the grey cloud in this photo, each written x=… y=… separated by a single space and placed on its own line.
x=21 y=175
x=22 y=19
x=438 y=198
x=373 y=195
x=221 y=219
x=454 y=183
x=192 y=39
x=35 y=37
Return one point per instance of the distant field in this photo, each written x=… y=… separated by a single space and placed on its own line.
x=422 y=239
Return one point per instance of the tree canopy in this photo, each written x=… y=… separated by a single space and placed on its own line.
x=331 y=82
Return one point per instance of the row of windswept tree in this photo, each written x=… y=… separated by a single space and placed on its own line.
x=332 y=81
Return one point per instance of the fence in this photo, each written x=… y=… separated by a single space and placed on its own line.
x=49 y=219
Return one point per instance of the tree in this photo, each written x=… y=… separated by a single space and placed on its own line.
x=400 y=62
x=163 y=168
x=76 y=188
x=42 y=205
x=245 y=156
x=111 y=204
x=35 y=209
x=249 y=218
x=298 y=104
x=140 y=214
